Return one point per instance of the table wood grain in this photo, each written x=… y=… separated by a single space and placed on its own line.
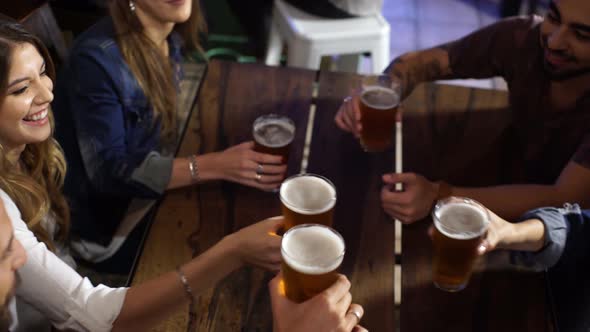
x=367 y=231
x=454 y=133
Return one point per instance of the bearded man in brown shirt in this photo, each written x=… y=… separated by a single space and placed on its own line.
x=546 y=63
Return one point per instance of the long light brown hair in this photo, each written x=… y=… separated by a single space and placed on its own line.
x=35 y=186
x=151 y=68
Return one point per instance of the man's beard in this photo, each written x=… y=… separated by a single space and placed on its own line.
x=560 y=75
x=563 y=75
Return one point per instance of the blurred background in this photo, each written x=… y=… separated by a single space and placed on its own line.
x=238 y=30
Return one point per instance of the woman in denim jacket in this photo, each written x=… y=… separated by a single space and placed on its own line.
x=116 y=119
x=556 y=240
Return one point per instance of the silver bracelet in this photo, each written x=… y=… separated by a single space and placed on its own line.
x=189 y=294
x=192 y=167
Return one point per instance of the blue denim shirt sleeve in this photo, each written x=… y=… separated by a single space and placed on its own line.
x=562 y=234
x=96 y=103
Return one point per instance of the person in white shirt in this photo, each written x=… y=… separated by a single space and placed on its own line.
x=12 y=257
x=71 y=302
x=32 y=167
x=330 y=311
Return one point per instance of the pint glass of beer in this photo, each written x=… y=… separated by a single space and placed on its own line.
x=459 y=226
x=311 y=255
x=307 y=198
x=273 y=134
x=379 y=101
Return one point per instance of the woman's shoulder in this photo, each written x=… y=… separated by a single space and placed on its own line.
x=101 y=34
x=98 y=43
x=11 y=210
x=56 y=290
x=95 y=53
x=21 y=230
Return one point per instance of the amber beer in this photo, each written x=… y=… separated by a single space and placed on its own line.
x=273 y=134
x=311 y=255
x=378 y=106
x=307 y=198
x=460 y=224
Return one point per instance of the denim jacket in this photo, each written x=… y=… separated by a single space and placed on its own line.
x=106 y=128
x=566 y=256
x=567 y=235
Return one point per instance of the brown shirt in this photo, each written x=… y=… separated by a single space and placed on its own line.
x=545 y=138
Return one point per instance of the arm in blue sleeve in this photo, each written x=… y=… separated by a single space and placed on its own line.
x=113 y=167
x=565 y=230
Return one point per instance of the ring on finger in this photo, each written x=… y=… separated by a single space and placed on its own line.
x=259 y=169
x=347 y=99
x=258 y=177
x=356 y=314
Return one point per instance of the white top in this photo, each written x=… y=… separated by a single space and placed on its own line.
x=29 y=317
x=69 y=301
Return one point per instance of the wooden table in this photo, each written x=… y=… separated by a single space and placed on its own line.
x=466 y=142
x=191 y=220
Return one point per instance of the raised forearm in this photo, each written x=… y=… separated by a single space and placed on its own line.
x=151 y=302
x=420 y=66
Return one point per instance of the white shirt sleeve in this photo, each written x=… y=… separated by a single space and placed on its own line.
x=69 y=301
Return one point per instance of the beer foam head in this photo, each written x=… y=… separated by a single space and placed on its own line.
x=312 y=249
x=380 y=98
x=461 y=220
x=273 y=131
x=308 y=194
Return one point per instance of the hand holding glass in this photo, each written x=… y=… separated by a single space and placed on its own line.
x=273 y=134
x=379 y=101
x=459 y=226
